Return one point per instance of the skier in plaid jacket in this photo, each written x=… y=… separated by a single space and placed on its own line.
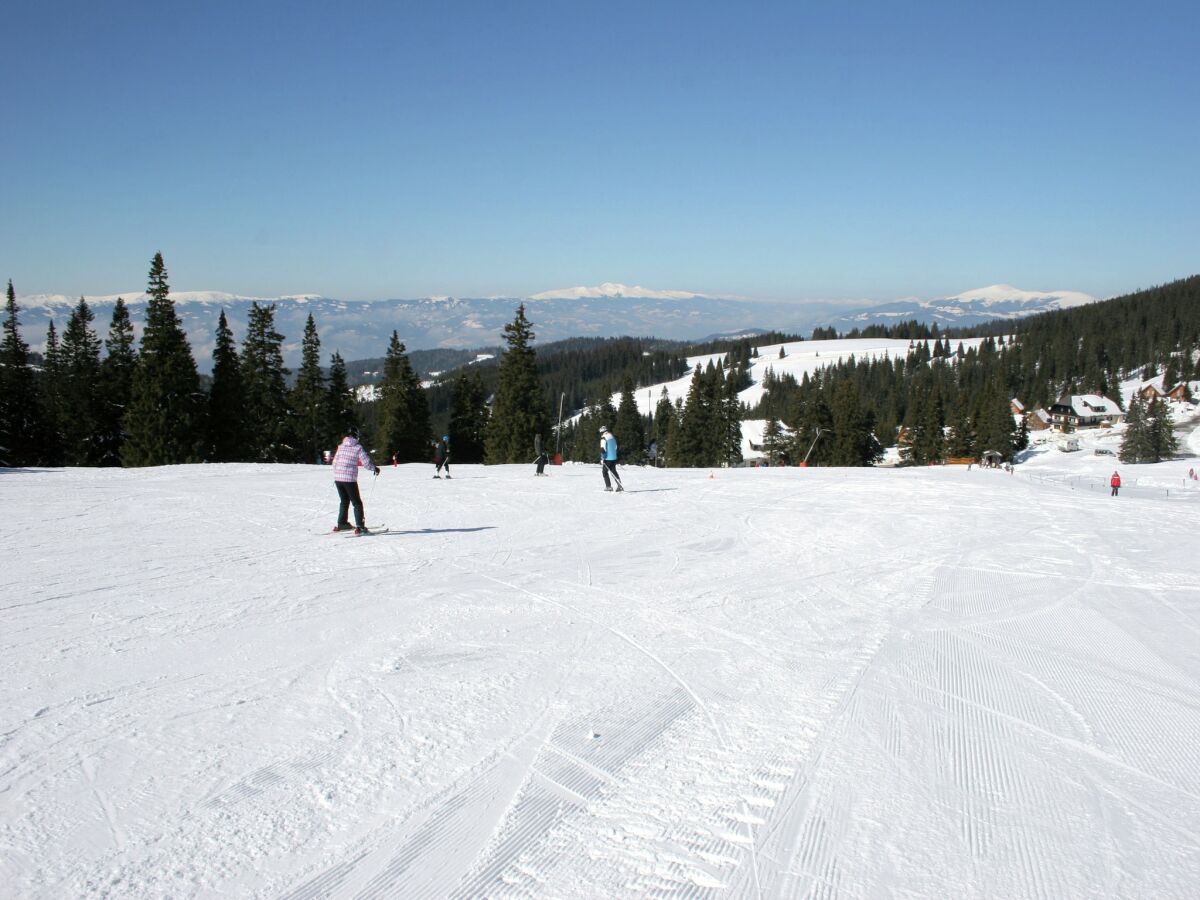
x=350 y=455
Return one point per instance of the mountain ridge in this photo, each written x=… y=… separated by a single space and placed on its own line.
x=359 y=329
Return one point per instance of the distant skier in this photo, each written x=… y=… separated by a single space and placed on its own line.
x=441 y=457
x=608 y=458
x=1115 y=483
x=350 y=455
x=540 y=455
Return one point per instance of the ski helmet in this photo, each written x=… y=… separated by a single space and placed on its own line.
x=446 y=438
x=603 y=428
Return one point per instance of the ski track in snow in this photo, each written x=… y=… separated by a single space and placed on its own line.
x=771 y=683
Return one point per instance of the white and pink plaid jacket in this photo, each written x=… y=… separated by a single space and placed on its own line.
x=350 y=455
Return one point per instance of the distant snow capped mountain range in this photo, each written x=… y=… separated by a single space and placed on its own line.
x=616 y=291
x=999 y=301
x=360 y=329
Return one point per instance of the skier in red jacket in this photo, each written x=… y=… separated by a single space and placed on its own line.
x=1115 y=483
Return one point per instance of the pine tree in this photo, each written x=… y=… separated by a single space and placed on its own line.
x=853 y=441
x=404 y=430
x=812 y=427
x=1135 y=442
x=729 y=420
x=21 y=423
x=227 y=438
x=961 y=443
x=308 y=397
x=995 y=427
x=164 y=421
x=666 y=422
x=339 y=403
x=690 y=447
x=50 y=395
x=116 y=384
x=628 y=429
x=519 y=406
x=468 y=417
x=79 y=389
x=775 y=443
x=270 y=433
x=1160 y=430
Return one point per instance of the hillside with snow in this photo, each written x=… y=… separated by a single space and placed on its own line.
x=794 y=358
x=768 y=683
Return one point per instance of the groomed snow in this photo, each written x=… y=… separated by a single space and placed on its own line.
x=767 y=683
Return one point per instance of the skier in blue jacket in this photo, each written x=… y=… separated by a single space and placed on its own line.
x=608 y=458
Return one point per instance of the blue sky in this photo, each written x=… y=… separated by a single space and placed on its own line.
x=835 y=150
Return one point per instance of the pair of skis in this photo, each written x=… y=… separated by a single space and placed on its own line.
x=366 y=532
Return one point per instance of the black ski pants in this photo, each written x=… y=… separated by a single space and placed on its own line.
x=610 y=465
x=347 y=494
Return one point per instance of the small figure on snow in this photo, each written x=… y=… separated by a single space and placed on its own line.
x=350 y=455
x=441 y=457
x=608 y=458
x=539 y=455
x=1115 y=483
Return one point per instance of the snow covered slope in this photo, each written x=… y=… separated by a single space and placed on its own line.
x=773 y=683
x=799 y=358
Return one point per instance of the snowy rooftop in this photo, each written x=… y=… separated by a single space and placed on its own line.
x=1094 y=404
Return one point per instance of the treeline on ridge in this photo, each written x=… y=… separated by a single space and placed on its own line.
x=94 y=402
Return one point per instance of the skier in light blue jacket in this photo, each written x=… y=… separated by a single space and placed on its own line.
x=608 y=458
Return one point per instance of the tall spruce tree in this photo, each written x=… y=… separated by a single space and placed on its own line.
x=468 y=417
x=628 y=428
x=519 y=410
x=691 y=447
x=853 y=440
x=79 y=389
x=996 y=428
x=1160 y=430
x=50 y=395
x=1136 y=445
x=116 y=384
x=812 y=428
x=269 y=426
x=775 y=443
x=21 y=424
x=404 y=430
x=961 y=443
x=227 y=438
x=164 y=421
x=308 y=397
x=665 y=424
x=340 y=411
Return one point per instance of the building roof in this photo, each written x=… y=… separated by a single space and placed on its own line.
x=1094 y=405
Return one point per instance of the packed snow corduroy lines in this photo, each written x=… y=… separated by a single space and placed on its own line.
x=769 y=683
